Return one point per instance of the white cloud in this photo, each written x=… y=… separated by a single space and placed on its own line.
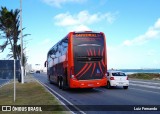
x=79 y=28
x=65 y=20
x=151 y=52
x=152 y=33
x=82 y=20
x=58 y=3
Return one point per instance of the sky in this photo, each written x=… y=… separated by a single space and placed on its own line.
x=132 y=28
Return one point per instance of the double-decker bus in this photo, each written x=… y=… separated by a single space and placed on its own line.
x=79 y=60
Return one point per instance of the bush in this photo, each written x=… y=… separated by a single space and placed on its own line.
x=145 y=76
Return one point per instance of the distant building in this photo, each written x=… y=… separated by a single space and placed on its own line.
x=28 y=68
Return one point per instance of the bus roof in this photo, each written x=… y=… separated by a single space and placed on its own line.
x=86 y=32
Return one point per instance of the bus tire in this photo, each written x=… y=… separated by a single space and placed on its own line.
x=59 y=83
x=63 y=85
x=49 y=79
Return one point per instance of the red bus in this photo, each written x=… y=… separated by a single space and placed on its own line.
x=79 y=60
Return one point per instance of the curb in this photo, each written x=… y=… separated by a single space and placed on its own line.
x=46 y=88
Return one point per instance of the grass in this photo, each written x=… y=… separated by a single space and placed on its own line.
x=146 y=76
x=31 y=93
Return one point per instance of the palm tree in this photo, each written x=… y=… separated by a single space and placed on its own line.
x=5 y=27
x=9 y=24
x=18 y=52
x=9 y=27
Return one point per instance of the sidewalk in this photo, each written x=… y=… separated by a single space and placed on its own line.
x=29 y=78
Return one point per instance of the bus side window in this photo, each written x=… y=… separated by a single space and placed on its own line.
x=52 y=56
x=56 y=50
x=60 y=48
x=64 y=45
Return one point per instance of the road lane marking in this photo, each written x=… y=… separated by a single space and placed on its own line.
x=61 y=97
x=146 y=86
x=146 y=82
x=145 y=90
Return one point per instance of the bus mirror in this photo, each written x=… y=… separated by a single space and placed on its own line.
x=45 y=64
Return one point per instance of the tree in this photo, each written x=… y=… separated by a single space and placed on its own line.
x=18 y=52
x=9 y=28
x=9 y=24
x=5 y=24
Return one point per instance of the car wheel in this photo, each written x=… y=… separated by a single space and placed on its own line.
x=108 y=85
x=125 y=87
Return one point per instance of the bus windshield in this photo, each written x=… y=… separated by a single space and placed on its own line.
x=85 y=45
x=89 y=51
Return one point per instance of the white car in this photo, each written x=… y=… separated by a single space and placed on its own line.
x=31 y=72
x=117 y=78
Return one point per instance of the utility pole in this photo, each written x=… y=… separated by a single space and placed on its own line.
x=14 y=80
x=22 y=65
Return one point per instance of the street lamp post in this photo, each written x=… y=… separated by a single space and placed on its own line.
x=22 y=65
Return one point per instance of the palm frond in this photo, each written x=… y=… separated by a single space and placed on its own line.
x=10 y=25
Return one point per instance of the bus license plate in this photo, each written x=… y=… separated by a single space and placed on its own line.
x=90 y=85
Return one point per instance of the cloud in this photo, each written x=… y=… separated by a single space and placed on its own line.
x=58 y=3
x=151 y=52
x=152 y=33
x=83 y=19
x=79 y=28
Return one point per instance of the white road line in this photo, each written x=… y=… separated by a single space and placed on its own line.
x=146 y=86
x=53 y=95
x=145 y=90
x=145 y=82
x=61 y=97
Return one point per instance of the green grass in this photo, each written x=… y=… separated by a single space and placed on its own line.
x=146 y=76
x=31 y=93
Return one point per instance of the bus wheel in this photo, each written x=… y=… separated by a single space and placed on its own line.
x=63 y=85
x=60 y=84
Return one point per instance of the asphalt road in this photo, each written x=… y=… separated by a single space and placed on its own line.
x=140 y=93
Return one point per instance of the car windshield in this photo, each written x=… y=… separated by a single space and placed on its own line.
x=118 y=74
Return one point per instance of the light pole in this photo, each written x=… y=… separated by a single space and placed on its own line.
x=22 y=65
